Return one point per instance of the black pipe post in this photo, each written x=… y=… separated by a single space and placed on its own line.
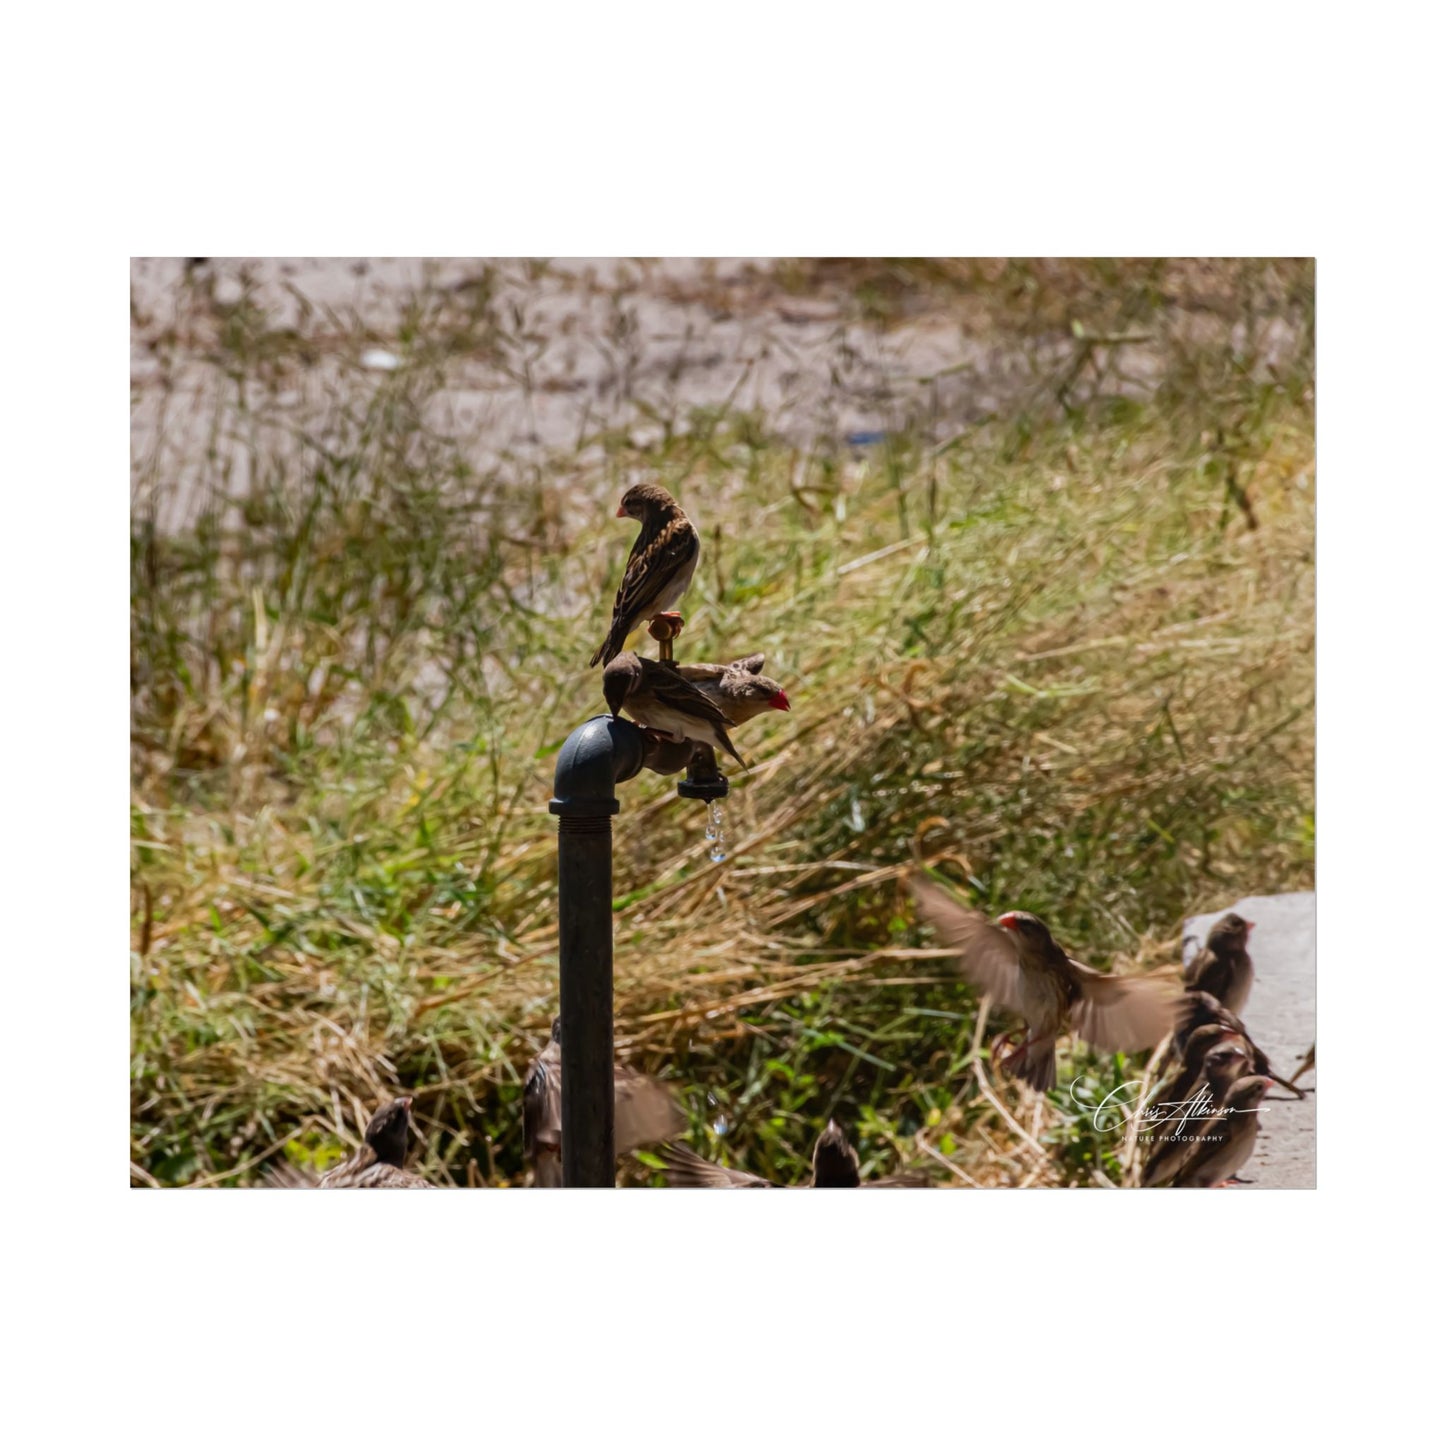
x=597 y=756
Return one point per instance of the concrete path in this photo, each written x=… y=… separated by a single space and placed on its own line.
x=1280 y=1017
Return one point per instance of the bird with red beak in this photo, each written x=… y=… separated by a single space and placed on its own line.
x=1223 y=967
x=739 y=688
x=1016 y=961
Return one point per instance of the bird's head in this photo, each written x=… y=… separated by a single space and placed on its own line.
x=1223 y=1064
x=1202 y=1040
x=645 y=500
x=1031 y=932
x=761 y=692
x=387 y=1132
x=1229 y=934
x=620 y=679
x=835 y=1161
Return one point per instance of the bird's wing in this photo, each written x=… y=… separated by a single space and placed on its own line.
x=693 y=1172
x=1127 y=1014
x=286 y=1175
x=542 y=1102
x=898 y=1181
x=388 y=1176
x=1206 y=972
x=987 y=955
x=676 y=692
x=645 y=1110
x=697 y=672
x=654 y=562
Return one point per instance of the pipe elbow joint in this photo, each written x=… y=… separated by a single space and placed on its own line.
x=597 y=756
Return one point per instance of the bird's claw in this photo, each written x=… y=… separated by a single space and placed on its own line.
x=1008 y=1040
x=665 y=626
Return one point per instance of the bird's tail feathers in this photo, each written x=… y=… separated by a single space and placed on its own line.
x=1034 y=1064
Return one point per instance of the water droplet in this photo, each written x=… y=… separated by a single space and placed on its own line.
x=716 y=831
x=720 y=1125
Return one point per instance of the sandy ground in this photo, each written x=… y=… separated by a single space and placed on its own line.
x=1281 y=1020
x=556 y=354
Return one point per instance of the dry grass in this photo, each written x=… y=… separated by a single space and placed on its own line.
x=1064 y=655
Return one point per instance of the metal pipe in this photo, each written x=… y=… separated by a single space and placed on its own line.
x=603 y=752
x=703 y=780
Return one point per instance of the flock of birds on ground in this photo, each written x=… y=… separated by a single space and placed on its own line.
x=1204 y=1121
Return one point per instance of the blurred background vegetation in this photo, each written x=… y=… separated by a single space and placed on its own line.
x=1029 y=543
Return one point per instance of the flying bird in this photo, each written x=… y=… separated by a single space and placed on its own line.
x=659 y=568
x=644 y=1111
x=1015 y=960
x=381 y=1161
x=1223 y=966
x=738 y=689
x=835 y=1166
x=1232 y=1135
x=1222 y=1065
x=659 y=698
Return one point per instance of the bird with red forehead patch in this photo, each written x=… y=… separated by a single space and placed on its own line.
x=1015 y=960
x=1223 y=966
x=738 y=689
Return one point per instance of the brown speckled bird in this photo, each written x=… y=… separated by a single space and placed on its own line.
x=1196 y=1010
x=644 y=1111
x=1015 y=960
x=1221 y=1066
x=739 y=689
x=835 y=1166
x=659 y=568
x=381 y=1160
x=1231 y=1139
x=1223 y=966
x=667 y=703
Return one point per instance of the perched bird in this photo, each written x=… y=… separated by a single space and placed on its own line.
x=738 y=689
x=1223 y=966
x=644 y=1111
x=1222 y=1065
x=1231 y=1139
x=1016 y=961
x=659 y=568
x=1186 y=1078
x=661 y=699
x=1197 y=1009
x=835 y=1166
x=380 y=1163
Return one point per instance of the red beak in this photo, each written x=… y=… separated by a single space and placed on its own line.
x=1248 y=928
x=1007 y=920
x=779 y=700
x=620 y=512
